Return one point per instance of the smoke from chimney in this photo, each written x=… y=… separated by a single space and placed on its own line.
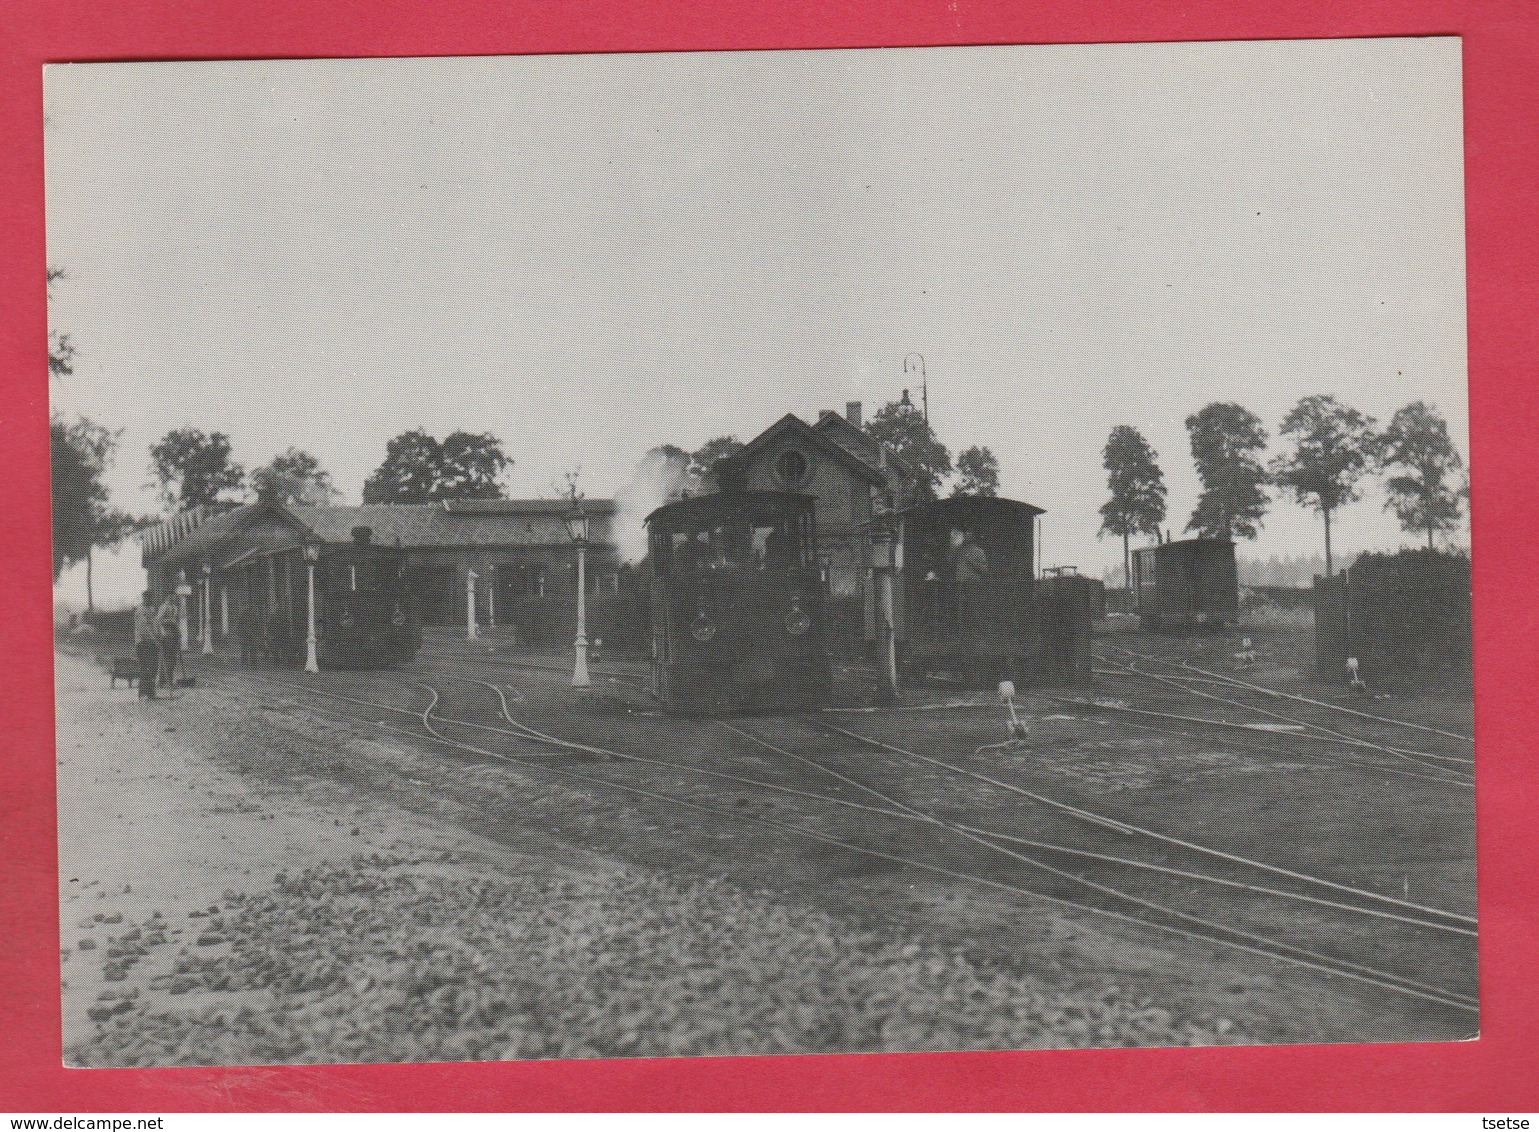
x=657 y=480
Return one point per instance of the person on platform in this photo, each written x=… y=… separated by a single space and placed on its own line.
x=168 y=622
x=147 y=645
x=969 y=567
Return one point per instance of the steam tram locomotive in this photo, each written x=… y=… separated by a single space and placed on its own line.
x=364 y=617
x=737 y=604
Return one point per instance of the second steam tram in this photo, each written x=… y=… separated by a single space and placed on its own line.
x=364 y=615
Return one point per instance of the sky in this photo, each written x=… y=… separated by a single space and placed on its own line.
x=592 y=255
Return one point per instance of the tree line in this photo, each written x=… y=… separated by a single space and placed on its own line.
x=1330 y=449
x=190 y=468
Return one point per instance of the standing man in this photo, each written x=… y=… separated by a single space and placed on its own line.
x=969 y=565
x=168 y=622
x=147 y=645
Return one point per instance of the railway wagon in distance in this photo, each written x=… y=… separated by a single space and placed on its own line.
x=1185 y=583
x=984 y=624
x=364 y=615
x=738 y=604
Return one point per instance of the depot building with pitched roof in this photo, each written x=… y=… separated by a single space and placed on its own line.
x=519 y=550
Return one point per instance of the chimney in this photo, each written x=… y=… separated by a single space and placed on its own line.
x=852 y=412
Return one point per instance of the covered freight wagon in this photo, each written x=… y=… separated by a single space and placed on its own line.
x=1186 y=582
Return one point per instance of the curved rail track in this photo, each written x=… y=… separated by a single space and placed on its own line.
x=536 y=746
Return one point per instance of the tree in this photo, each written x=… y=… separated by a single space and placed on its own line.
x=1226 y=442
x=1429 y=493
x=702 y=463
x=61 y=351
x=1333 y=448
x=1137 y=503
x=409 y=472
x=192 y=468
x=471 y=467
x=294 y=476
x=419 y=469
x=902 y=428
x=80 y=453
x=978 y=472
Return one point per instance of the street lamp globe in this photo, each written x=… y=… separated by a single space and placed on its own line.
x=576 y=521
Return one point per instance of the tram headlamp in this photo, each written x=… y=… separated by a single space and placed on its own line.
x=702 y=628
x=797 y=622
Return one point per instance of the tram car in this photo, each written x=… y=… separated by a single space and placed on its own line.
x=1185 y=583
x=965 y=602
x=364 y=615
x=738 y=604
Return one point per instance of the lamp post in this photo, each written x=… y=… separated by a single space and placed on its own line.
x=577 y=529
x=208 y=609
x=470 y=605
x=312 y=555
x=183 y=592
x=883 y=564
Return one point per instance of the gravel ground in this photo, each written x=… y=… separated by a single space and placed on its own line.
x=218 y=916
x=396 y=959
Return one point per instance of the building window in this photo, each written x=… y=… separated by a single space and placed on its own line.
x=791 y=468
x=605 y=584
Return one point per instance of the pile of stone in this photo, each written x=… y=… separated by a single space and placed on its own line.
x=387 y=959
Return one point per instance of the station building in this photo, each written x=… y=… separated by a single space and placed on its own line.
x=519 y=549
x=851 y=475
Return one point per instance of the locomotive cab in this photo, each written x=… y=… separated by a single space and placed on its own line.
x=968 y=603
x=737 y=604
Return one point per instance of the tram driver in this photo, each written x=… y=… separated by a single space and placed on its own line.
x=968 y=567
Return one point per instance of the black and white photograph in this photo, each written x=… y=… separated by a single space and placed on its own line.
x=776 y=552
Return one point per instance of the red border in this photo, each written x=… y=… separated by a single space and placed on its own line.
x=1501 y=55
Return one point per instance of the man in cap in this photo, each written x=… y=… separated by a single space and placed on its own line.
x=147 y=645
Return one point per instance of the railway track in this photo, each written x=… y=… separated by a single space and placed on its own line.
x=1167 y=723
x=536 y=745
x=1453 y=768
x=1179 y=725
x=1207 y=676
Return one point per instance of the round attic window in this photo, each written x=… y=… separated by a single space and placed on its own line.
x=791 y=468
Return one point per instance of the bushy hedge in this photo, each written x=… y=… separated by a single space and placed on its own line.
x=1411 y=615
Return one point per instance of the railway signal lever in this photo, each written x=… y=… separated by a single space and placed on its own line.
x=1354 y=677
x=1016 y=729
